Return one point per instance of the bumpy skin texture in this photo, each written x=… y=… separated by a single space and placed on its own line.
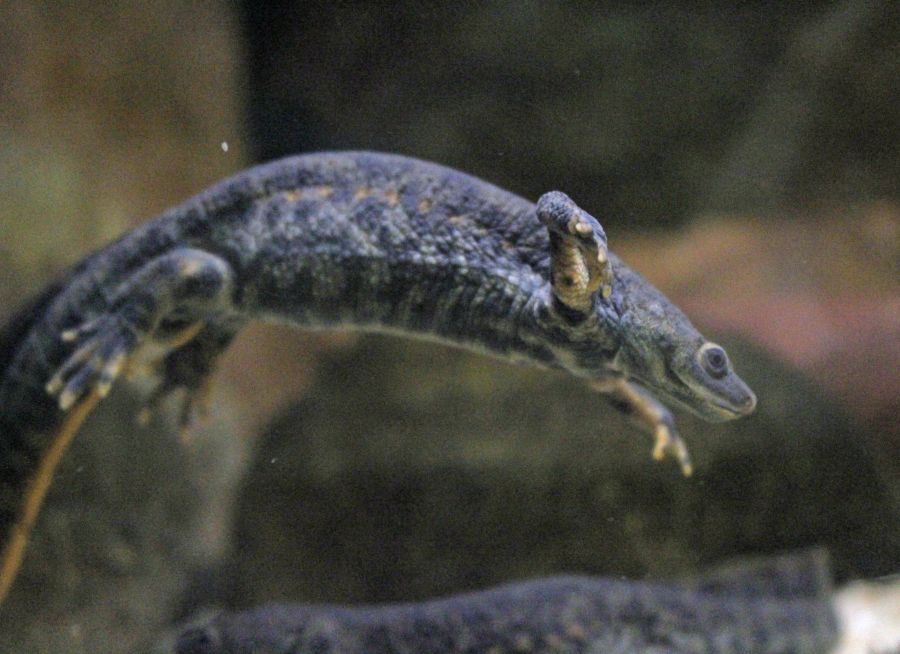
x=774 y=607
x=358 y=240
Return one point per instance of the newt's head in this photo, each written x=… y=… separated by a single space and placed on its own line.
x=664 y=352
x=635 y=330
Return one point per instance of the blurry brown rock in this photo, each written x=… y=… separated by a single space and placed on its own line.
x=819 y=292
x=411 y=471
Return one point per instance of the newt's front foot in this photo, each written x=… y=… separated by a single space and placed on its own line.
x=668 y=441
x=579 y=256
x=640 y=404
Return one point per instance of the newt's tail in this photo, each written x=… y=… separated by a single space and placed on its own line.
x=33 y=431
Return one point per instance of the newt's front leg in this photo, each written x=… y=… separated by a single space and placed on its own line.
x=578 y=252
x=653 y=414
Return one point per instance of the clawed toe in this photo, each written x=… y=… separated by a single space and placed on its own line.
x=667 y=441
x=95 y=364
x=194 y=404
x=641 y=405
x=596 y=253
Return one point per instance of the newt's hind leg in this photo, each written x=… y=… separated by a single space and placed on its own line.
x=189 y=367
x=169 y=299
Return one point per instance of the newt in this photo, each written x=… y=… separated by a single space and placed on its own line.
x=350 y=240
x=782 y=605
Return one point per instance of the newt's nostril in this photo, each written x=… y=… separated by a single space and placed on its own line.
x=748 y=405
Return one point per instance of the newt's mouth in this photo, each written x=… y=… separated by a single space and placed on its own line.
x=714 y=407
x=737 y=410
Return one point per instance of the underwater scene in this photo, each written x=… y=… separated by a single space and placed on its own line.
x=495 y=328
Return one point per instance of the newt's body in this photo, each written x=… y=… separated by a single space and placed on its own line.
x=782 y=606
x=357 y=240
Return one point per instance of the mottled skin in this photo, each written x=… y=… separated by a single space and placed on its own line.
x=350 y=240
x=776 y=607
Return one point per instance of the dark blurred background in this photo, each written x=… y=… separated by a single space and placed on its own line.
x=744 y=158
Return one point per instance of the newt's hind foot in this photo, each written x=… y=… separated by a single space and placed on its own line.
x=188 y=369
x=194 y=408
x=104 y=345
x=194 y=404
x=167 y=302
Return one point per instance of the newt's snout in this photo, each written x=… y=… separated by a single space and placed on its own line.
x=742 y=405
x=715 y=383
x=748 y=405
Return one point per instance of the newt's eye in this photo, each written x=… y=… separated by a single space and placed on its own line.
x=714 y=360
